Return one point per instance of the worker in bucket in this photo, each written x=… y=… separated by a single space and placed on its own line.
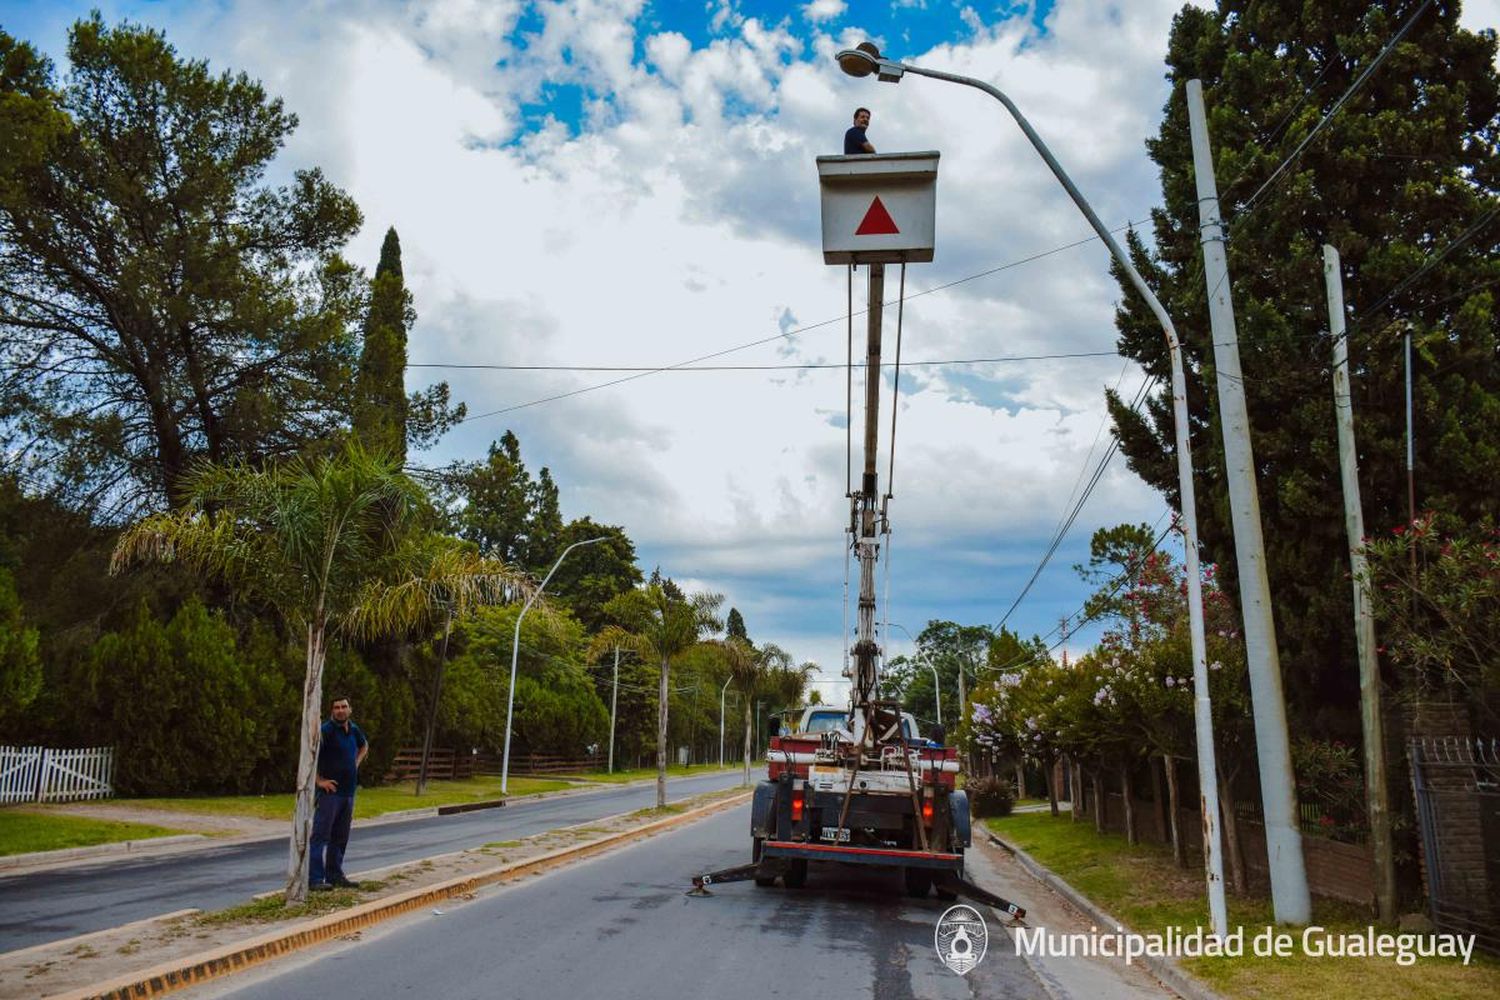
x=855 y=142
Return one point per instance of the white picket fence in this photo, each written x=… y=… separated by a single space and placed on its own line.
x=43 y=774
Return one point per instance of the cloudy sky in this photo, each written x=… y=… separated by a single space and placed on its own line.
x=631 y=183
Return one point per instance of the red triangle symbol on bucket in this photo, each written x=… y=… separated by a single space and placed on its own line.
x=877 y=221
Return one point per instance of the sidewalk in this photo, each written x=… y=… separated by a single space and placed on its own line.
x=1063 y=978
x=1061 y=909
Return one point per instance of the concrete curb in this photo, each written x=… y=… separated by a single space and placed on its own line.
x=229 y=959
x=1164 y=969
x=40 y=861
x=49 y=859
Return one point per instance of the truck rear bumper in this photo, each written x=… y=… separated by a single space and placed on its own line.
x=862 y=855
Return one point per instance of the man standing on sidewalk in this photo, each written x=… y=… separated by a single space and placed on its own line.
x=342 y=750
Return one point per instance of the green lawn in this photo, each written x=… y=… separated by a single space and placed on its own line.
x=369 y=802
x=643 y=773
x=23 y=832
x=1141 y=886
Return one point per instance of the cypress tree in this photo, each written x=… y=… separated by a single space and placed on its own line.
x=380 y=391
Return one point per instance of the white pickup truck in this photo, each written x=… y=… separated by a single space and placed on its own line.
x=818 y=719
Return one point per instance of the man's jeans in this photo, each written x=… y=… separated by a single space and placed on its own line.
x=330 y=832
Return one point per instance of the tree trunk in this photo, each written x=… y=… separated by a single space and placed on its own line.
x=1179 y=853
x=1098 y=783
x=307 y=763
x=661 y=738
x=1076 y=793
x=1021 y=778
x=432 y=711
x=1237 y=879
x=1049 y=769
x=1127 y=796
x=748 y=748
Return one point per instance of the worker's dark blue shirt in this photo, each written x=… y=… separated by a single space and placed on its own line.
x=338 y=756
x=854 y=141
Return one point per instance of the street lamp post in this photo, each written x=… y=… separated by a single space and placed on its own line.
x=722 y=692
x=937 y=689
x=515 y=649
x=866 y=59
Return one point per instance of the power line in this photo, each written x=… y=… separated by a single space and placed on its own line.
x=809 y=366
x=1067 y=523
x=1125 y=576
x=632 y=376
x=1338 y=104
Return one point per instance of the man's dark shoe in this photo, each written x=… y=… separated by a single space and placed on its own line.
x=343 y=883
x=320 y=887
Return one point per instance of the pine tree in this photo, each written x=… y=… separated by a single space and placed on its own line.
x=544 y=524
x=734 y=627
x=380 y=404
x=1403 y=180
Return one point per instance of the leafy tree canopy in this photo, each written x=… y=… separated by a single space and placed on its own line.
x=159 y=301
x=1403 y=180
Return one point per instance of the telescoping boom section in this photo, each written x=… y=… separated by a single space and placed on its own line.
x=860 y=785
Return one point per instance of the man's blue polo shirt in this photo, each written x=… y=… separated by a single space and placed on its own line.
x=338 y=753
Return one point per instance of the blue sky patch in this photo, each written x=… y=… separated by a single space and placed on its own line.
x=904 y=27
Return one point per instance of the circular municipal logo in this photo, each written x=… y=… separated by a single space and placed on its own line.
x=961 y=938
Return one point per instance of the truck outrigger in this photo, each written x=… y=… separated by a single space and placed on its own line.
x=861 y=786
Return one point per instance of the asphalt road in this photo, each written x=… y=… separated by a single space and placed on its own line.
x=620 y=926
x=51 y=905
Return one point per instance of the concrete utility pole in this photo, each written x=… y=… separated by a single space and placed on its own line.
x=614 y=702
x=963 y=692
x=1411 y=475
x=1290 y=898
x=1376 y=788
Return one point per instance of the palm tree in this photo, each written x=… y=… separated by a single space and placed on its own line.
x=334 y=544
x=658 y=625
x=766 y=670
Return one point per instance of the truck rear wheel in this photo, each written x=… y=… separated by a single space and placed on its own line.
x=764 y=883
x=795 y=876
x=943 y=892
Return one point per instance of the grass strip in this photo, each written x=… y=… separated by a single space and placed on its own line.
x=368 y=802
x=645 y=773
x=22 y=832
x=1143 y=887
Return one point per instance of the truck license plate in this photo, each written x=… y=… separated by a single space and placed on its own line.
x=840 y=834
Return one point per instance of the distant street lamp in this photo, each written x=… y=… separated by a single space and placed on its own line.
x=865 y=59
x=937 y=688
x=515 y=649
x=722 y=691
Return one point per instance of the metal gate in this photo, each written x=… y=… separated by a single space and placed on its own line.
x=1457 y=786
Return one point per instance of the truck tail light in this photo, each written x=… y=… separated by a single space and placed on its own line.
x=797 y=806
x=926 y=810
